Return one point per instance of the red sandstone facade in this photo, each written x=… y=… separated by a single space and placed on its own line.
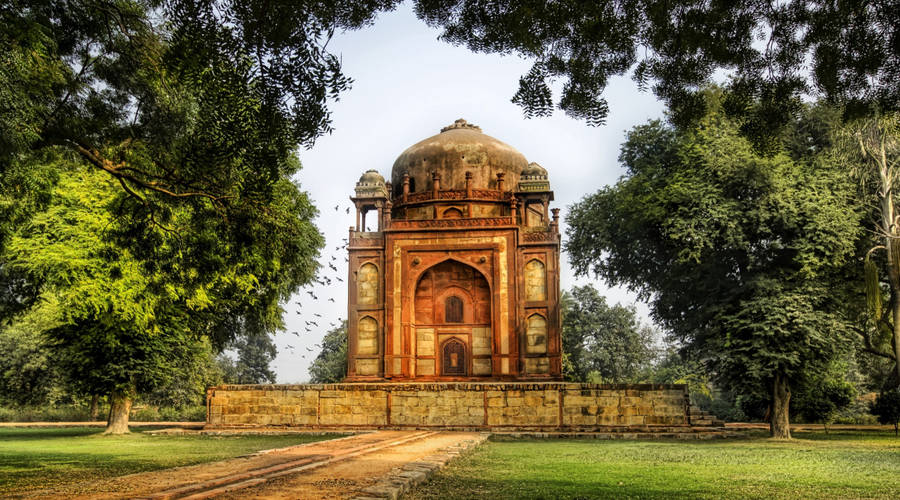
x=459 y=278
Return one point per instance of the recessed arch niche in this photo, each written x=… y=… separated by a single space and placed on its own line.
x=367 y=284
x=535 y=281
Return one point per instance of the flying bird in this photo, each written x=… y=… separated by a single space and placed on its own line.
x=295 y=333
x=330 y=300
x=348 y=210
x=317 y=315
x=339 y=279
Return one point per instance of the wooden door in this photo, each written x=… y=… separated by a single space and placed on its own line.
x=453 y=358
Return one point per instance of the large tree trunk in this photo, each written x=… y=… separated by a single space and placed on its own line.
x=119 y=409
x=95 y=407
x=780 y=426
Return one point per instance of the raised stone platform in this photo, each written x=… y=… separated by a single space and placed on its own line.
x=499 y=406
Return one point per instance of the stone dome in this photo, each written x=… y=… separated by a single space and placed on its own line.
x=371 y=178
x=459 y=148
x=534 y=170
x=371 y=184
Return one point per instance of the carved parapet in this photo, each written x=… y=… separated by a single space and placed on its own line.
x=539 y=236
x=456 y=194
x=449 y=223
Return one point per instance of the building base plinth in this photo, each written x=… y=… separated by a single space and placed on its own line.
x=494 y=406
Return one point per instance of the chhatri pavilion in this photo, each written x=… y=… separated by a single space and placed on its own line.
x=457 y=278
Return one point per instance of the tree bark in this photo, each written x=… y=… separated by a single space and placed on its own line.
x=95 y=407
x=119 y=409
x=780 y=426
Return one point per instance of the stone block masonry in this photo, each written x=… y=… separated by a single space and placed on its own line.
x=501 y=406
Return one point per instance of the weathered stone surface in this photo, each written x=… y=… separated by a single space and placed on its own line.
x=465 y=405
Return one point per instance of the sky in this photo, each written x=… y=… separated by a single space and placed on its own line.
x=407 y=85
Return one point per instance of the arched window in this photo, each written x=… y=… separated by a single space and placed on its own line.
x=453 y=310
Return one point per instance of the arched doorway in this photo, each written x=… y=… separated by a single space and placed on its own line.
x=452 y=302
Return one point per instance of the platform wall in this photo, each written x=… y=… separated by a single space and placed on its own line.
x=544 y=405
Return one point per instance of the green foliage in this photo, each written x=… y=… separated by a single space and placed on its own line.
x=887 y=408
x=254 y=353
x=29 y=374
x=602 y=343
x=745 y=259
x=775 y=53
x=330 y=366
x=128 y=324
x=822 y=400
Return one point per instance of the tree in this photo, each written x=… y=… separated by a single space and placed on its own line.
x=601 y=341
x=330 y=366
x=887 y=408
x=254 y=353
x=127 y=324
x=744 y=258
x=677 y=47
x=871 y=146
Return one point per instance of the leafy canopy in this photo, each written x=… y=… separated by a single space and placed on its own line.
x=742 y=257
x=775 y=52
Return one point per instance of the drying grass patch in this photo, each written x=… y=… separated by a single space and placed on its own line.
x=37 y=458
x=813 y=465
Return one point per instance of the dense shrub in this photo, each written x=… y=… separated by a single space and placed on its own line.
x=887 y=408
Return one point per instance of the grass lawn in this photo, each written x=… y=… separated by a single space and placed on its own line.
x=34 y=458
x=813 y=465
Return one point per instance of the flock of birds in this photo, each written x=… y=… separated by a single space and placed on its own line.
x=324 y=279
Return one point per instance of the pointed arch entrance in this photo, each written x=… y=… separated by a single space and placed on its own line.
x=452 y=322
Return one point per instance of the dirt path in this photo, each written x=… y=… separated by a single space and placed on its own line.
x=350 y=463
x=345 y=479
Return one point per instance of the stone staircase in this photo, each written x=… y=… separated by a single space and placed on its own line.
x=700 y=418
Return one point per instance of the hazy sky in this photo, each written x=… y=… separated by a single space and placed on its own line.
x=407 y=85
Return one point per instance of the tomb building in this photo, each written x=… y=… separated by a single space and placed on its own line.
x=454 y=266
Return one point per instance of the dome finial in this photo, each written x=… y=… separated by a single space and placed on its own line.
x=460 y=123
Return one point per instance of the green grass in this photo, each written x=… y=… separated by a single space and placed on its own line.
x=37 y=458
x=813 y=465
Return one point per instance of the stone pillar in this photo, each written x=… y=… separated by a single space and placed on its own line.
x=469 y=185
x=380 y=217
x=546 y=213
x=500 y=177
x=555 y=223
x=357 y=218
x=436 y=184
x=405 y=187
x=363 y=220
x=513 y=204
x=388 y=206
